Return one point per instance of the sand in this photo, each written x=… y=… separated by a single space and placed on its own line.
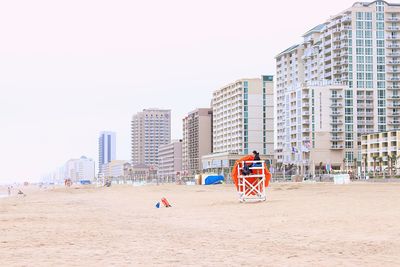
x=299 y=225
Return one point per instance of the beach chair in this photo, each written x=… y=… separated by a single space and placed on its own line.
x=251 y=187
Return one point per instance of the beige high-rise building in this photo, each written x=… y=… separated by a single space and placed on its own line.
x=197 y=139
x=243 y=113
x=170 y=160
x=355 y=56
x=150 y=129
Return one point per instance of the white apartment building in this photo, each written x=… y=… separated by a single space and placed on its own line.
x=170 y=160
x=78 y=169
x=355 y=56
x=197 y=139
x=150 y=129
x=243 y=117
x=114 y=168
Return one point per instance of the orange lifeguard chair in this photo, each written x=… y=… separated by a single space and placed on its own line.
x=252 y=186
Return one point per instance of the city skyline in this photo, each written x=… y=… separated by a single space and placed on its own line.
x=65 y=80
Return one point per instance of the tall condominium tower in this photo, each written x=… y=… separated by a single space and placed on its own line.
x=342 y=81
x=107 y=148
x=243 y=117
x=197 y=139
x=150 y=129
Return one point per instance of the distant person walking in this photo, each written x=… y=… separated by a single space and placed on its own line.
x=9 y=191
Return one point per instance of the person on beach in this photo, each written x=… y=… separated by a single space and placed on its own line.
x=9 y=191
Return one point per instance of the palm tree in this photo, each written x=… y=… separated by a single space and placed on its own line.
x=354 y=167
x=395 y=160
x=320 y=168
x=390 y=165
x=374 y=158
x=365 y=165
x=380 y=160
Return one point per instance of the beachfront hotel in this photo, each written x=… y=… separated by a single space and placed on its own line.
x=349 y=63
x=197 y=139
x=170 y=160
x=380 y=150
x=149 y=129
x=243 y=117
x=107 y=148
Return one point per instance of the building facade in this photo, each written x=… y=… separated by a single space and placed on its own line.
x=380 y=151
x=107 y=148
x=114 y=169
x=170 y=160
x=197 y=139
x=243 y=117
x=149 y=129
x=78 y=169
x=355 y=53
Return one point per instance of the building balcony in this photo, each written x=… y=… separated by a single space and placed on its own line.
x=393 y=46
x=393 y=37
x=336 y=97
x=393 y=105
x=337 y=47
x=393 y=79
x=393 y=62
x=393 y=97
x=392 y=19
x=337 y=122
x=337 y=130
x=337 y=139
x=393 y=54
x=336 y=113
x=305 y=122
x=336 y=105
x=392 y=70
x=336 y=146
x=393 y=28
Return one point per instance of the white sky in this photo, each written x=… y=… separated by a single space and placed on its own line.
x=70 y=69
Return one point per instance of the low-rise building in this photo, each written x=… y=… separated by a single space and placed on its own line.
x=380 y=151
x=114 y=168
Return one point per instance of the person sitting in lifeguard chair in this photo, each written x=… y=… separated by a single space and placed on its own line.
x=246 y=168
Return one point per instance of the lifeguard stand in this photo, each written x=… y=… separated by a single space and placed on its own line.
x=251 y=187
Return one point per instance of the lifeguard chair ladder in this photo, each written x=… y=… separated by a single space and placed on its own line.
x=251 y=191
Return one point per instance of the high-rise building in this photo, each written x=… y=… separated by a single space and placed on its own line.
x=197 y=139
x=170 y=160
x=150 y=129
x=351 y=63
x=107 y=148
x=243 y=117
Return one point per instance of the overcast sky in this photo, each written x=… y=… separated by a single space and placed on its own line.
x=70 y=69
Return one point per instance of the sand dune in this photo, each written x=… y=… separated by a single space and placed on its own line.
x=299 y=225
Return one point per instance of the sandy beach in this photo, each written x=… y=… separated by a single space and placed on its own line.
x=299 y=225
